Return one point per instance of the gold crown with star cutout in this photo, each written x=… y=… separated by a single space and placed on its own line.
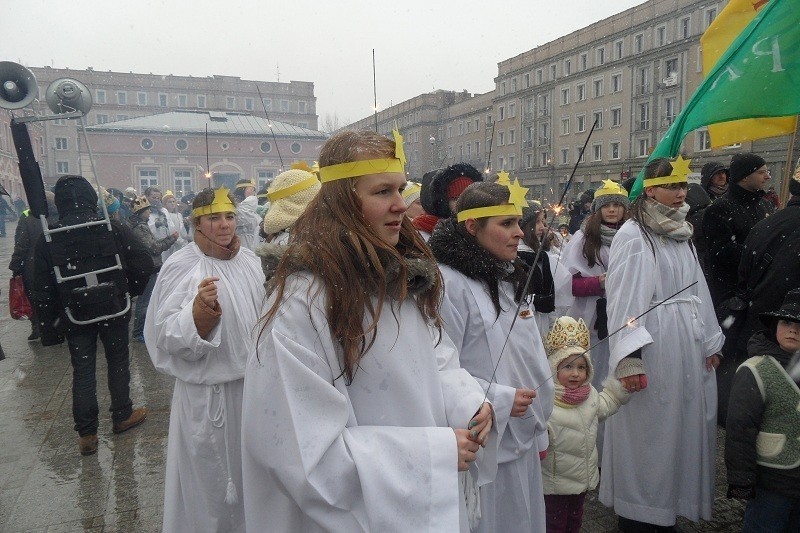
x=567 y=333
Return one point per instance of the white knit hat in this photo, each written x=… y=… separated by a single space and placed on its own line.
x=289 y=194
x=411 y=192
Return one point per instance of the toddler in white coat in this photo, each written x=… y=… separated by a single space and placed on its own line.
x=570 y=468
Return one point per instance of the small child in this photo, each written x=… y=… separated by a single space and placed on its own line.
x=762 y=445
x=570 y=468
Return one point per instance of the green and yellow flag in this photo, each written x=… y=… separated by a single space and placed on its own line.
x=758 y=76
x=715 y=41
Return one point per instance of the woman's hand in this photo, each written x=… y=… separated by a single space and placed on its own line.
x=602 y=279
x=522 y=399
x=481 y=424
x=466 y=449
x=712 y=362
x=207 y=291
x=634 y=383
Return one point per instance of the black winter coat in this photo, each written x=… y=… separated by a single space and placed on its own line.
x=778 y=269
x=726 y=224
x=745 y=412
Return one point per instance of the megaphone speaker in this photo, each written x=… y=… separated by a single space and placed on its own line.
x=17 y=86
x=66 y=95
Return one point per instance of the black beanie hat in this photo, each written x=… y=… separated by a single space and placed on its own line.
x=742 y=165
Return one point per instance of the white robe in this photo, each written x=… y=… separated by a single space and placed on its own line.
x=203 y=449
x=247 y=222
x=161 y=231
x=515 y=500
x=378 y=455
x=659 y=451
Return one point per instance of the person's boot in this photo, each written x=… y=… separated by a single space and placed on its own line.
x=34 y=333
x=627 y=525
x=137 y=417
x=88 y=444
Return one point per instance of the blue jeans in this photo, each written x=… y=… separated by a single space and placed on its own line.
x=83 y=352
x=140 y=313
x=771 y=512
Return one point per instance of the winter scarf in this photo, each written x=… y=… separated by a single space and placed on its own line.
x=455 y=247
x=667 y=221
x=425 y=222
x=607 y=233
x=212 y=249
x=571 y=398
x=718 y=190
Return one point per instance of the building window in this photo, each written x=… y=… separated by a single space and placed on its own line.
x=141 y=98
x=101 y=96
x=601 y=56
x=248 y=104
x=101 y=118
x=527 y=80
x=61 y=143
x=512 y=162
x=539 y=76
x=597 y=87
x=564 y=156
x=181 y=144
x=580 y=120
x=614 y=146
x=597 y=117
x=122 y=98
x=544 y=159
x=501 y=138
x=267 y=103
x=302 y=124
x=284 y=106
x=501 y=113
x=513 y=84
x=565 y=96
x=597 y=152
x=661 y=36
x=148 y=177
x=702 y=141
x=301 y=107
x=583 y=61
x=503 y=88
x=567 y=67
x=616 y=117
x=477 y=148
x=60 y=122
x=644 y=80
x=671 y=67
x=146 y=144
x=512 y=136
x=644 y=147
x=163 y=100
x=123 y=117
x=644 y=116
x=616 y=83
x=638 y=43
x=264 y=177
x=552 y=72
x=230 y=102
x=685 y=26
x=512 y=110
x=62 y=167
x=201 y=101
x=581 y=92
x=183 y=181
x=670 y=110
x=618 y=49
x=565 y=126
x=711 y=14
x=183 y=101
x=296 y=147
x=266 y=147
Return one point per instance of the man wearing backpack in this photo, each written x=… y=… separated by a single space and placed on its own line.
x=93 y=304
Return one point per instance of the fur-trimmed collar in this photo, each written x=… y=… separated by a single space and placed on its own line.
x=454 y=247
x=420 y=272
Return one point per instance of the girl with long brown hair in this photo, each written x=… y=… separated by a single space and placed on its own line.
x=357 y=416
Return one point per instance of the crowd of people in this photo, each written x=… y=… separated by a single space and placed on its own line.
x=356 y=352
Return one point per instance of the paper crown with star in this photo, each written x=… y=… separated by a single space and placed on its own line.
x=221 y=204
x=608 y=193
x=516 y=202
x=354 y=169
x=680 y=173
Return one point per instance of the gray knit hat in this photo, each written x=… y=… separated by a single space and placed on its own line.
x=610 y=192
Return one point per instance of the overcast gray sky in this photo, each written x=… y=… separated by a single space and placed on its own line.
x=420 y=45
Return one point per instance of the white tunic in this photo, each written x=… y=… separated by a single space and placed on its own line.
x=515 y=500
x=378 y=455
x=247 y=222
x=203 y=450
x=659 y=452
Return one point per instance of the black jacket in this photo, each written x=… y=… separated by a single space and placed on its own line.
x=726 y=224
x=82 y=250
x=777 y=268
x=745 y=411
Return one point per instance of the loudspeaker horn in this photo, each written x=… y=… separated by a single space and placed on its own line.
x=17 y=86
x=66 y=95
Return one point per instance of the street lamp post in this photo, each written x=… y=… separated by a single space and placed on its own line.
x=551 y=180
x=433 y=149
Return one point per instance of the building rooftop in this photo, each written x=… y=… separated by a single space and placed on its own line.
x=218 y=123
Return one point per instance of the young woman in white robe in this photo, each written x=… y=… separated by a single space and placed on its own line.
x=483 y=282
x=659 y=451
x=356 y=414
x=204 y=308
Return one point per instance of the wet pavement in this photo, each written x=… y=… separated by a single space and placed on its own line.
x=47 y=486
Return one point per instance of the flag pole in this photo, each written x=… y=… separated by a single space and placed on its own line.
x=784 y=196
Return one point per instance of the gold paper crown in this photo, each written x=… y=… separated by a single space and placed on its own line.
x=566 y=333
x=221 y=204
x=354 y=169
x=516 y=202
x=611 y=187
x=245 y=184
x=411 y=188
x=140 y=203
x=680 y=173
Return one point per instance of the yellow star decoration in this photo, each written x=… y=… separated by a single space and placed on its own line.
x=680 y=168
x=302 y=165
x=503 y=178
x=399 y=152
x=610 y=184
x=517 y=194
